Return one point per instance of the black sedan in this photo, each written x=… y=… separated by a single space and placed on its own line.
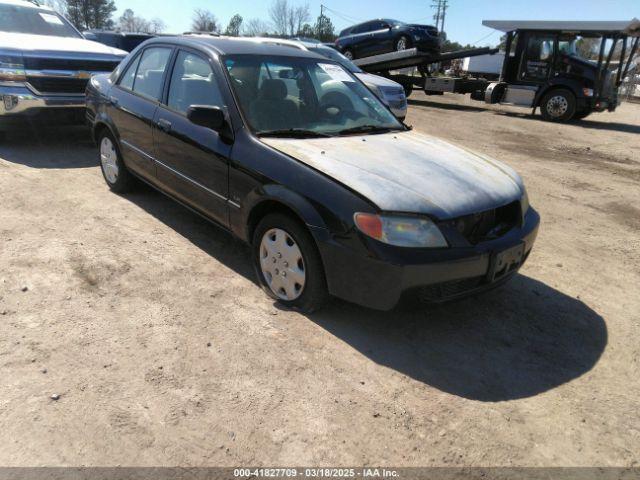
x=293 y=154
x=384 y=36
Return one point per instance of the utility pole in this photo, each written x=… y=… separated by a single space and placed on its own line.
x=445 y=5
x=438 y=6
x=441 y=11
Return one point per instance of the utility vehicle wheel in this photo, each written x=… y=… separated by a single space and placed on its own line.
x=403 y=43
x=558 y=105
x=113 y=169
x=349 y=54
x=288 y=264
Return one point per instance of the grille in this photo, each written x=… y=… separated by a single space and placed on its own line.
x=69 y=64
x=488 y=225
x=58 y=85
x=442 y=291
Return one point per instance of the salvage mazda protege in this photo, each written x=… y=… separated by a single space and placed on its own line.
x=294 y=155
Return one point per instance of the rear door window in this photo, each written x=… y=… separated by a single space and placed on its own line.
x=150 y=74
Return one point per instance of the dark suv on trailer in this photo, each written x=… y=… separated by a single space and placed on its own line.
x=293 y=154
x=384 y=36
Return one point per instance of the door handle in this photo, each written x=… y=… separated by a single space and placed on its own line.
x=113 y=101
x=164 y=125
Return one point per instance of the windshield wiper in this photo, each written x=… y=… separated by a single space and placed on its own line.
x=365 y=129
x=292 y=133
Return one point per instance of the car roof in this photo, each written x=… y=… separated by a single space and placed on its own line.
x=234 y=45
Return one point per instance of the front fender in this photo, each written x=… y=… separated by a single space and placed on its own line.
x=280 y=194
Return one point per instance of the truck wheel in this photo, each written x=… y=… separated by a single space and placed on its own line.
x=113 y=169
x=558 y=105
x=349 y=54
x=287 y=263
x=403 y=43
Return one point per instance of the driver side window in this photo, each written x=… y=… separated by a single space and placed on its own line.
x=537 y=57
x=192 y=83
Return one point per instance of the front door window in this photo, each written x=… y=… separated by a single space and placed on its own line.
x=537 y=58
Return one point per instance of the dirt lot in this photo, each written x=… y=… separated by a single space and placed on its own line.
x=148 y=324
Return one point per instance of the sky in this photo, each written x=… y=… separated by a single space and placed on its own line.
x=463 y=21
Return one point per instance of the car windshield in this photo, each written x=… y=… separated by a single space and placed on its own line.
x=296 y=96
x=34 y=21
x=336 y=56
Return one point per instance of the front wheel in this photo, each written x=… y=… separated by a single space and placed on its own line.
x=558 y=106
x=288 y=264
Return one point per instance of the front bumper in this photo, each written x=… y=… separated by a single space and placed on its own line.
x=437 y=275
x=18 y=102
x=427 y=44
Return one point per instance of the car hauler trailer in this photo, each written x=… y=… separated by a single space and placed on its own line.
x=542 y=67
x=386 y=63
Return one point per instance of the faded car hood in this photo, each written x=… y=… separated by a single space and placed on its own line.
x=409 y=172
x=49 y=43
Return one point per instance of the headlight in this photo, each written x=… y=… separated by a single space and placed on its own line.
x=401 y=231
x=12 y=69
x=524 y=202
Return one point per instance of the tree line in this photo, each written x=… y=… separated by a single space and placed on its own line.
x=286 y=20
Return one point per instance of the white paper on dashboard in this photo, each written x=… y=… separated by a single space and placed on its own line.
x=336 y=72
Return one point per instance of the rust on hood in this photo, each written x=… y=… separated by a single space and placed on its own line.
x=409 y=172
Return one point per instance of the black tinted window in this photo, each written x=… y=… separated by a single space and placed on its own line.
x=193 y=83
x=148 y=80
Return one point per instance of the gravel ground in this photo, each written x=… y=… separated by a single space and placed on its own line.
x=147 y=323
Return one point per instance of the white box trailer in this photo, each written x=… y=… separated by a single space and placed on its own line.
x=484 y=64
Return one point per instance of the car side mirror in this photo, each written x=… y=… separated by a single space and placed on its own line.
x=210 y=117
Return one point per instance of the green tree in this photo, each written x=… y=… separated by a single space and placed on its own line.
x=233 y=29
x=90 y=14
x=324 y=29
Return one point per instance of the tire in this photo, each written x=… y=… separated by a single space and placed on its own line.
x=114 y=171
x=558 y=105
x=403 y=43
x=305 y=288
x=349 y=54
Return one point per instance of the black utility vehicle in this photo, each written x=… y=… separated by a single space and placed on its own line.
x=385 y=35
x=293 y=154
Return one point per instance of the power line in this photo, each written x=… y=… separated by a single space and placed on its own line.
x=343 y=16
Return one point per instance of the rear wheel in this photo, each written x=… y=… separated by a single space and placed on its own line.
x=113 y=169
x=288 y=264
x=403 y=43
x=558 y=105
x=349 y=54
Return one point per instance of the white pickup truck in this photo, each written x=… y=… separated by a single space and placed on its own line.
x=45 y=64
